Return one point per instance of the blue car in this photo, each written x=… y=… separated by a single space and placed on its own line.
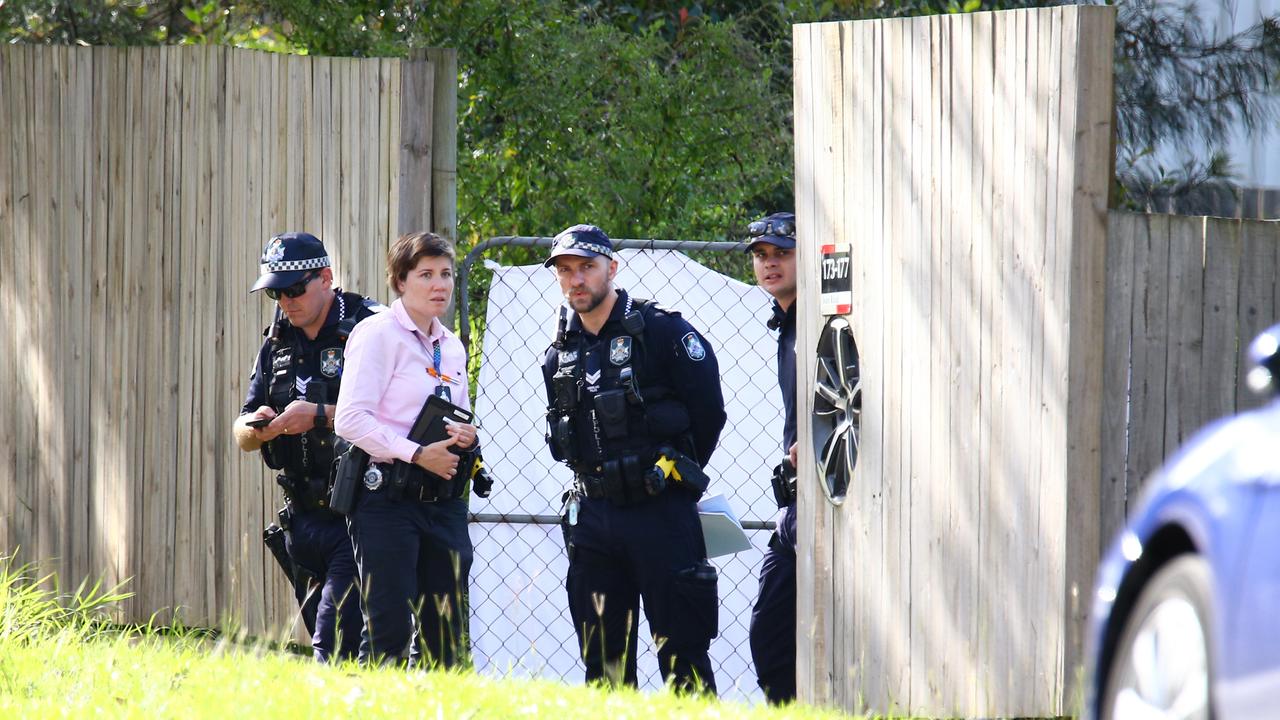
x=1186 y=613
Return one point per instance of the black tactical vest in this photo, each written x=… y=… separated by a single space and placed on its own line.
x=309 y=454
x=623 y=414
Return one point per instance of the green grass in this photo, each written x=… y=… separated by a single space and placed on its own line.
x=60 y=656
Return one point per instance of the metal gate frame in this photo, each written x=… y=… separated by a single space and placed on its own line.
x=739 y=685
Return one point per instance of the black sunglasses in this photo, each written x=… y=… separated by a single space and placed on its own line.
x=294 y=290
x=772 y=226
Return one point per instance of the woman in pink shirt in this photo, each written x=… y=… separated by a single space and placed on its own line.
x=409 y=524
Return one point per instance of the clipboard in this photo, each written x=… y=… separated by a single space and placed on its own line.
x=429 y=426
x=721 y=530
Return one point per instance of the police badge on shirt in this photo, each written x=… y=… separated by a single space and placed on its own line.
x=620 y=350
x=331 y=362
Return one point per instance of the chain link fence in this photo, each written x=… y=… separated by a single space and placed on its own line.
x=519 y=614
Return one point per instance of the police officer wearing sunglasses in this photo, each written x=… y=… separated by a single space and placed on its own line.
x=635 y=410
x=772 y=245
x=288 y=416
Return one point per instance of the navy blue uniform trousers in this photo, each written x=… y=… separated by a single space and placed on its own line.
x=773 y=619
x=317 y=541
x=415 y=561
x=649 y=550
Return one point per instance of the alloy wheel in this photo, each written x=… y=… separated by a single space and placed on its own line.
x=837 y=408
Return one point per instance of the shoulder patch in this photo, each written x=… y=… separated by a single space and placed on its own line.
x=693 y=346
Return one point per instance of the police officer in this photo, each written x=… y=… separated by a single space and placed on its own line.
x=773 y=619
x=288 y=415
x=635 y=410
x=409 y=525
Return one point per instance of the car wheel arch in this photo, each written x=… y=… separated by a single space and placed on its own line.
x=1166 y=544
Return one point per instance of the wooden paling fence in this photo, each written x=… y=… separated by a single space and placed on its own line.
x=1185 y=296
x=137 y=188
x=965 y=160
x=1028 y=357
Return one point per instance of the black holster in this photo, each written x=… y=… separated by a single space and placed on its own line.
x=273 y=538
x=692 y=477
x=784 y=483
x=472 y=466
x=299 y=577
x=348 y=473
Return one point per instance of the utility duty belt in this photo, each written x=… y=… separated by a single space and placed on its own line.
x=621 y=482
x=405 y=481
x=305 y=493
x=630 y=480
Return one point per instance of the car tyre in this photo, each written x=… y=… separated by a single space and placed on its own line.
x=1162 y=667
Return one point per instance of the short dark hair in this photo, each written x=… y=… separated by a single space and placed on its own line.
x=409 y=248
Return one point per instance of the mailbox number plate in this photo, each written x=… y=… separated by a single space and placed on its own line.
x=837 y=280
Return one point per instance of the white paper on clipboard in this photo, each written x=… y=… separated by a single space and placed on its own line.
x=721 y=529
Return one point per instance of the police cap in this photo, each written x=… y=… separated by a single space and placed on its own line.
x=287 y=258
x=777 y=229
x=581 y=240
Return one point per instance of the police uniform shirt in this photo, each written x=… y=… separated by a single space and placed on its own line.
x=785 y=322
x=320 y=359
x=674 y=355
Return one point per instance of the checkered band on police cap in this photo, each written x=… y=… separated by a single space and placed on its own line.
x=287 y=258
x=581 y=240
x=290 y=252
x=290 y=265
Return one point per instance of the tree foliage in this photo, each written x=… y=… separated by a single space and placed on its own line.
x=1178 y=84
x=135 y=22
x=113 y=22
x=1177 y=87
x=650 y=131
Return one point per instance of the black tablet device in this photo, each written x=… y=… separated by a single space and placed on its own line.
x=429 y=427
